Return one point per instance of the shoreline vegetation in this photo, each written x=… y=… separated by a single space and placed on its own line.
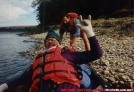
x=116 y=38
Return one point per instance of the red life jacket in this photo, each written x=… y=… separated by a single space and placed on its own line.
x=72 y=17
x=55 y=67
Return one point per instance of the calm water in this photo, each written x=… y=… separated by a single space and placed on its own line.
x=11 y=63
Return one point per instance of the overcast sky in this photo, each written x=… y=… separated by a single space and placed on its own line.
x=17 y=12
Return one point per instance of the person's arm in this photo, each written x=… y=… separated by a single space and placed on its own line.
x=88 y=56
x=73 y=41
x=79 y=32
x=76 y=33
x=85 y=40
x=85 y=56
x=24 y=79
x=95 y=52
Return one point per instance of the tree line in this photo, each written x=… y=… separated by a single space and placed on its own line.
x=50 y=12
x=18 y=28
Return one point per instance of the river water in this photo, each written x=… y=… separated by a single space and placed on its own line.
x=11 y=63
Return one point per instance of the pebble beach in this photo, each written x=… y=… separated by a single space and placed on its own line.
x=116 y=66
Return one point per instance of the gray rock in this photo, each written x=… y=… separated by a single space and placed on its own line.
x=123 y=77
x=115 y=82
x=130 y=84
x=121 y=82
x=105 y=72
x=112 y=79
x=132 y=76
x=120 y=70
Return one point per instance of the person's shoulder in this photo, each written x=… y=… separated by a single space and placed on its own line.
x=40 y=54
x=76 y=20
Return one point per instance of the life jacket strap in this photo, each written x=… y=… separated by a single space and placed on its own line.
x=53 y=71
x=54 y=61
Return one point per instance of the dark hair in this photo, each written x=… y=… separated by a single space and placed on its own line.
x=64 y=14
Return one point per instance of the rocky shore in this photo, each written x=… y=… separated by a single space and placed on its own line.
x=116 y=38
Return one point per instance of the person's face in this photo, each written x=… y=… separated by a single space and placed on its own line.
x=50 y=42
x=65 y=21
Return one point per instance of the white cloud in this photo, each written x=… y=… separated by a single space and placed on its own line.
x=14 y=9
x=3 y=19
x=31 y=9
x=23 y=4
x=15 y=12
x=24 y=17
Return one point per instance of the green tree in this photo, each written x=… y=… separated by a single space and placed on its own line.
x=49 y=12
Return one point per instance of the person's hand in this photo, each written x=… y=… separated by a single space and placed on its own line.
x=3 y=87
x=86 y=26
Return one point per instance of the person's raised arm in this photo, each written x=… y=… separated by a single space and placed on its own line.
x=95 y=52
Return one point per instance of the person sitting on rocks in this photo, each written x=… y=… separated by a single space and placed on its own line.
x=69 y=24
x=54 y=70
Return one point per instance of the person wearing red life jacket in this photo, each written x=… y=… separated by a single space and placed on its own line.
x=54 y=70
x=69 y=24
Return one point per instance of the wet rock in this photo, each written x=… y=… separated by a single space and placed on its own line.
x=27 y=41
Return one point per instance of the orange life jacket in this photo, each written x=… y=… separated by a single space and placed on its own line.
x=72 y=17
x=55 y=67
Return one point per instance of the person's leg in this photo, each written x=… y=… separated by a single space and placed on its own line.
x=85 y=39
